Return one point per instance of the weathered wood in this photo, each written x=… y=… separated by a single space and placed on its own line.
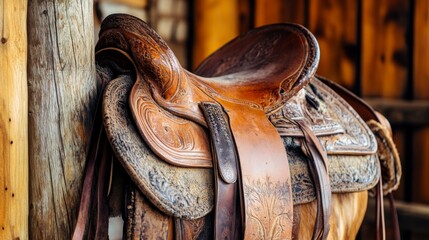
x=384 y=49
x=216 y=22
x=334 y=24
x=13 y=121
x=62 y=93
x=421 y=91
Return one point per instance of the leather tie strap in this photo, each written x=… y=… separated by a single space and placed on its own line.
x=225 y=165
x=88 y=190
x=319 y=171
x=380 y=223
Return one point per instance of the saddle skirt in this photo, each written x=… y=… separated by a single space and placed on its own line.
x=188 y=192
x=153 y=119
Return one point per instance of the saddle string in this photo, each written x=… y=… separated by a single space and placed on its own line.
x=227 y=207
x=102 y=224
x=98 y=147
x=318 y=168
x=87 y=198
x=380 y=222
x=394 y=217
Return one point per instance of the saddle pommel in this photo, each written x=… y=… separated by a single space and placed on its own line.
x=153 y=58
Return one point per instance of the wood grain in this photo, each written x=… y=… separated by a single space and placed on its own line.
x=421 y=91
x=13 y=121
x=216 y=22
x=334 y=24
x=62 y=93
x=384 y=49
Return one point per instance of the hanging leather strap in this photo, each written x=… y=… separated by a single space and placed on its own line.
x=225 y=169
x=394 y=217
x=94 y=192
x=317 y=162
x=379 y=213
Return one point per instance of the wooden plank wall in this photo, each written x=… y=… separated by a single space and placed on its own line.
x=378 y=49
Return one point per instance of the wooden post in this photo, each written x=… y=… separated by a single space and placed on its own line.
x=13 y=121
x=62 y=94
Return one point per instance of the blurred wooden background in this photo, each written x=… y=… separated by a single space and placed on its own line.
x=377 y=49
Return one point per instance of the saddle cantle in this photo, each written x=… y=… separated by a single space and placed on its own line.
x=250 y=134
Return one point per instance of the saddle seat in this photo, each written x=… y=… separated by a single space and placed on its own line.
x=261 y=69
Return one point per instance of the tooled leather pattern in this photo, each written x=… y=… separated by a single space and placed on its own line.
x=266 y=199
x=181 y=192
x=174 y=139
x=339 y=127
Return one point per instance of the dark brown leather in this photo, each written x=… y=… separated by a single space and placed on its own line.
x=139 y=212
x=319 y=172
x=225 y=167
x=87 y=201
x=394 y=217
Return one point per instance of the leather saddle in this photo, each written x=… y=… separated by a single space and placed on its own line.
x=225 y=152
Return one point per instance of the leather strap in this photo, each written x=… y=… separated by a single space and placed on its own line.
x=225 y=165
x=189 y=229
x=266 y=183
x=380 y=223
x=318 y=168
x=394 y=217
x=102 y=225
x=88 y=189
x=143 y=220
x=94 y=183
